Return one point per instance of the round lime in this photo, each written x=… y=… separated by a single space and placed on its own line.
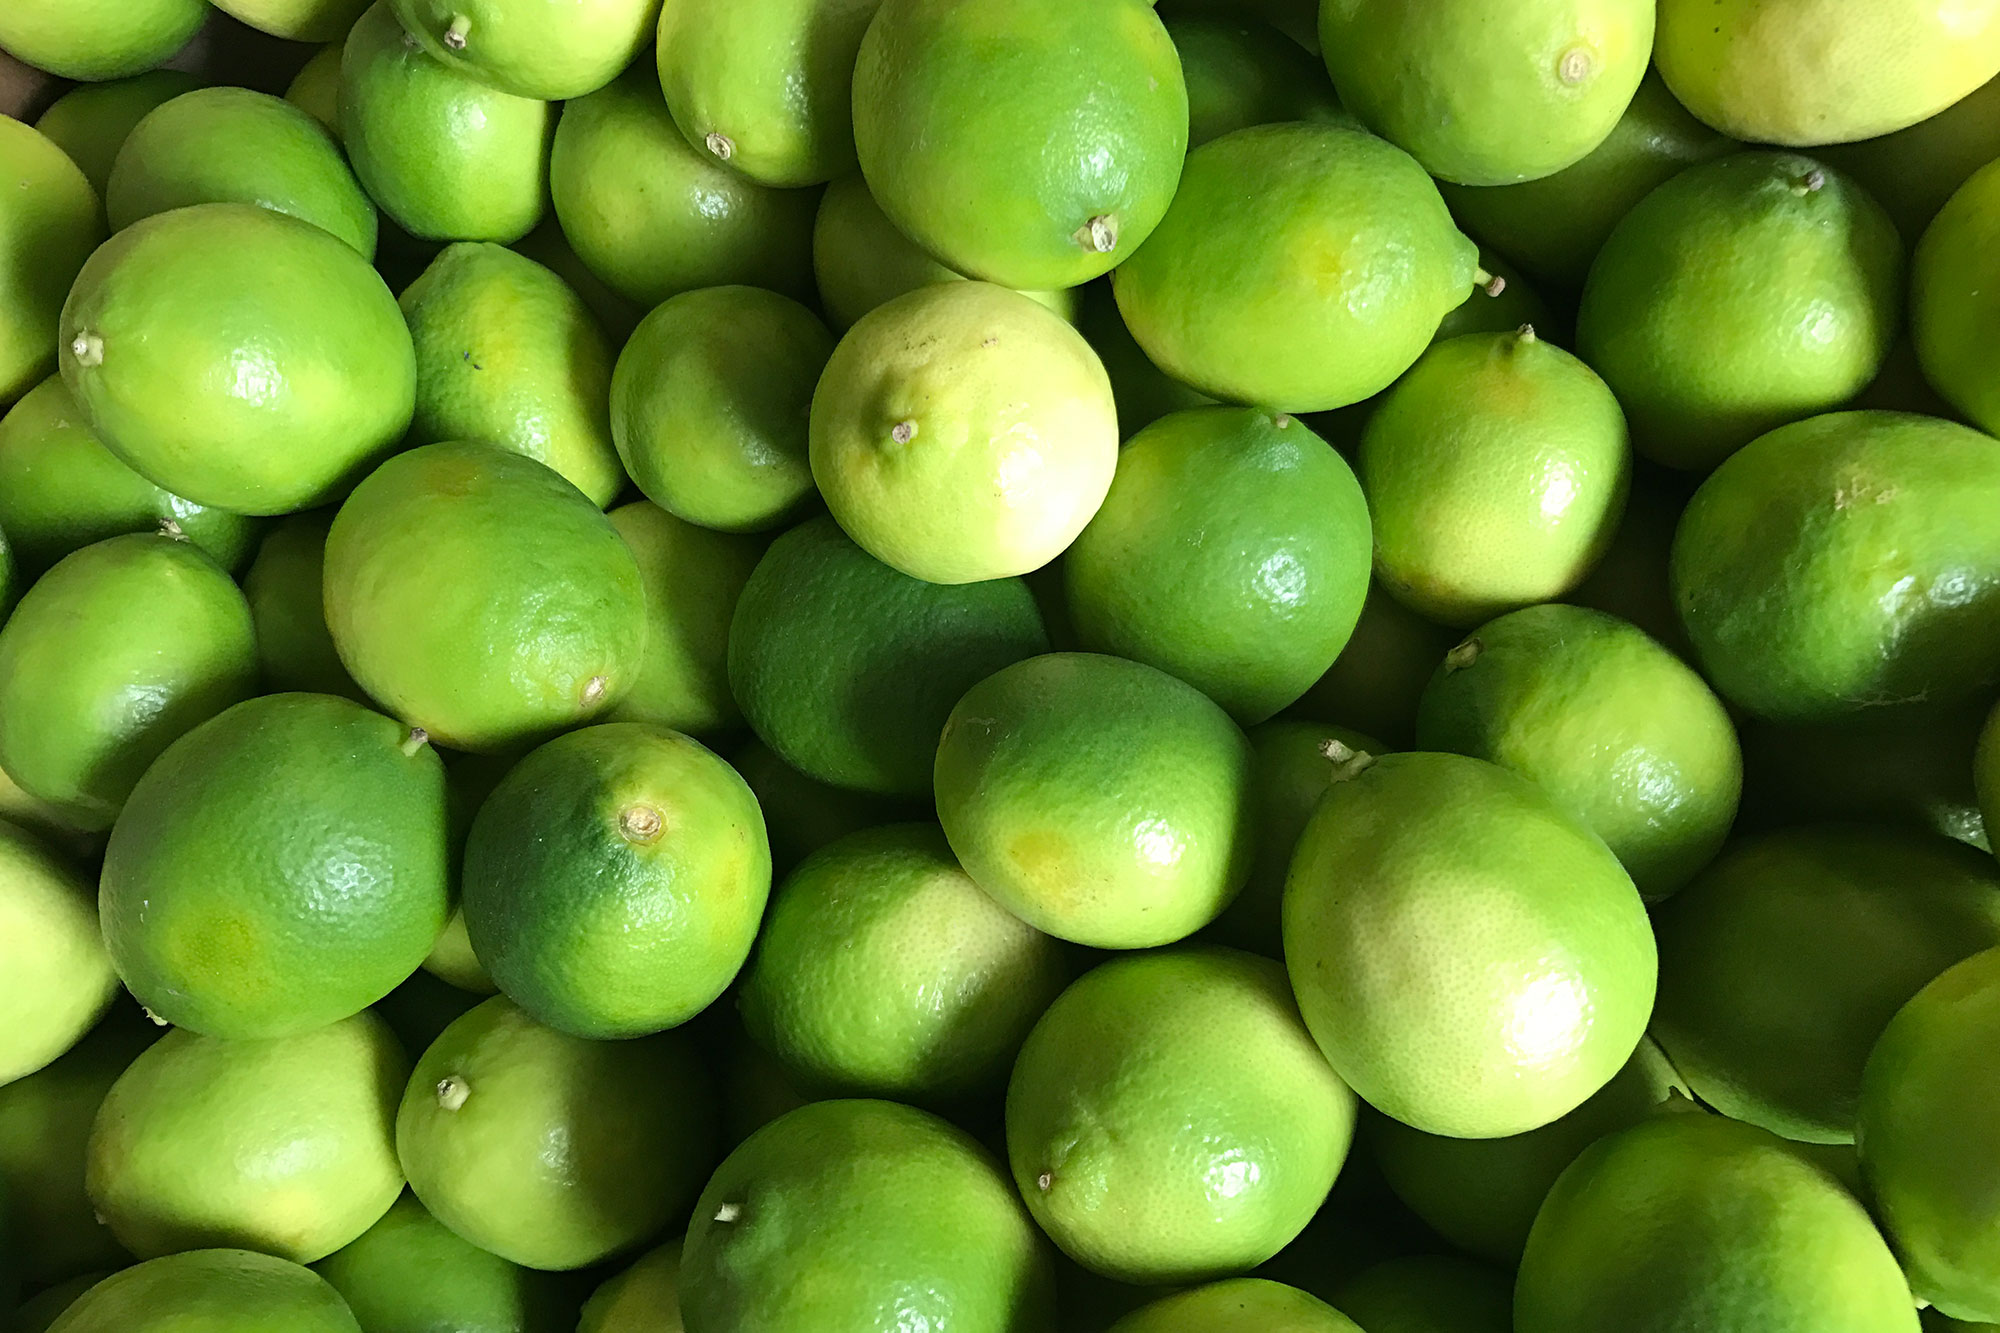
x=551 y=49
x=1241 y=71
x=216 y=1291
x=91 y=121
x=1239 y=1305
x=99 y=39
x=315 y=89
x=644 y=1298
x=284 y=586
x=49 y=224
x=1953 y=310
x=692 y=578
x=58 y=979
x=297 y=20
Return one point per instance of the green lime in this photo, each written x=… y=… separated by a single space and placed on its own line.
x=280 y=867
x=1806 y=72
x=1781 y=965
x=644 y=1298
x=90 y=40
x=1144 y=393
x=848 y=669
x=1377 y=680
x=479 y=596
x=226 y=386
x=652 y=216
x=551 y=49
x=410 y=1274
x=224 y=145
x=1746 y=292
x=114 y=653
x=962 y=432
x=1302 y=267
x=285 y=1146
x=1232 y=550
x=1605 y=720
x=1239 y=1305
x=447 y=157
x=1913 y=171
x=1693 y=1221
x=49 y=224
x=58 y=978
x=1496 y=472
x=803 y=814
x=297 y=20
x=453 y=962
x=39 y=1313
x=883 y=970
x=1843 y=563
x=547 y=246
x=284 y=588
x=863 y=1215
x=1170 y=1120
x=1035 y=146
x=1953 y=309
x=507 y=354
x=710 y=403
x=315 y=89
x=1429 y=1294
x=213 y=1291
x=61 y=490
x=45 y=821
x=1927 y=1141
x=90 y=121
x=1242 y=72
x=1100 y=800
x=1503 y=304
x=1483 y=96
x=692 y=578
x=1471 y=958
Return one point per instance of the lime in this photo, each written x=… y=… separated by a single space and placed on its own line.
x=283 y=586
x=1913 y=171
x=651 y=215
x=1170 y=1119
x=215 y=1291
x=36 y=816
x=1807 y=72
x=1496 y=472
x=710 y=402
x=1429 y=1294
x=1745 y=293
x=446 y=156
x=1144 y=393
x=39 y=1313
x=315 y=89
x=1379 y=677
x=453 y=962
x=1953 y=310
x=222 y=145
x=883 y=970
x=90 y=121
x=1302 y=267
x=228 y=387
x=551 y=49
x=1605 y=720
x=1239 y=1305
x=863 y=1215
x=284 y=1146
x=1232 y=550
x=1483 y=96
x=480 y=596
x=99 y=39
x=61 y=489
x=848 y=669
x=1693 y=1221
x=1036 y=145
x=297 y=20
x=644 y=1298
x=962 y=432
x=1242 y=72
x=507 y=354
x=635 y=1121
x=547 y=246
x=692 y=578
x=409 y=1274
x=1502 y=305
x=280 y=867
x=1842 y=563
x=114 y=653
x=49 y=224
x=803 y=814
x=1100 y=800
x=58 y=980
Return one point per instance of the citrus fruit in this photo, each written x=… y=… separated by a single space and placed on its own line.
x=1842 y=563
x=36 y=816
x=1232 y=550
x=297 y=20
x=709 y=405
x=91 y=120
x=551 y=49
x=1502 y=305
x=507 y=354
x=223 y=145
x=315 y=89
x=1100 y=800
x=1914 y=171
x=651 y=215
x=58 y=979
x=962 y=432
x=1428 y=1294
x=479 y=596
x=114 y=653
x=1804 y=72
x=1239 y=1305
x=803 y=814
x=410 y=1274
x=61 y=489
x=635 y=1119
x=644 y=1298
x=285 y=1146
x=223 y=385
x=1496 y=472
x=547 y=246
x=1144 y=393
x=1379 y=677
x=1240 y=71
x=1488 y=97
x=692 y=578
x=1035 y=147
x=284 y=588
x=49 y=224
x=39 y=1312
x=860 y=1215
x=1746 y=292
x=1605 y=720
x=99 y=39
x=452 y=961
x=1953 y=311
x=1693 y=1221
x=215 y=1291
x=1302 y=267
x=1170 y=1119
x=280 y=867
x=1472 y=959
x=883 y=970
x=447 y=157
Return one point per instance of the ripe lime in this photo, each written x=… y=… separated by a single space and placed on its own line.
x=100 y=39
x=49 y=224
x=644 y=1298
x=692 y=579
x=1379 y=677
x=90 y=121
x=1953 y=311
x=551 y=49
x=1241 y=72
x=285 y=589
x=58 y=979
x=297 y=20
x=315 y=89
x=1239 y=1305
x=216 y=1291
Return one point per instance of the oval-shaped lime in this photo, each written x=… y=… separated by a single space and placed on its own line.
x=1953 y=309
x=91 y=121
x=643 y=1298
x=551 y=49
x=285 y=586
x=692 y=579
x=219 y=1291
x=1238 y=1305
x=297 y=20
x=58 y=977
x=50 y=222
x=100 y=39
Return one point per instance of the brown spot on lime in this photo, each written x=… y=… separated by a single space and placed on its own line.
x=456 y=32
x=720 y=144
x=1464 y=655
x=415 y=741
x=640 y=823
x=452 y=1092
x=903 y=432
x=1575 y=65
x=594 y=691
x=410 y=40
x=88 y=349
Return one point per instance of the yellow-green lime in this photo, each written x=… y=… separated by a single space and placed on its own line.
x=1428 y=1294
x=710 y=403
x=1143 y=391
x=479 y=596
x=643 y=1298
x=297 y=20
x=547 y=246
x=1302 y=267
x=551 y=49
x=285 y=1146
x=636 y=1120
x=1913 y=171
x=284 y=586
x=1238 y=1305
x=58 y=979
x=215 y=1291
x=883 y=971
x=1241 y=71
x=90 y=40
x=91 y=120
x=963 y=432
x=315 y=89
x=692 y=578
x=452 y=961
x=803 y=814
x=50 y=222
x=1954 y=312
x=1377 y=680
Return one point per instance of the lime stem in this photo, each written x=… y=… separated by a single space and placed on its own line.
x=1463 y=656
x=415 y=741
x=455 y=32
x=452 y=1092
x=720 y=144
